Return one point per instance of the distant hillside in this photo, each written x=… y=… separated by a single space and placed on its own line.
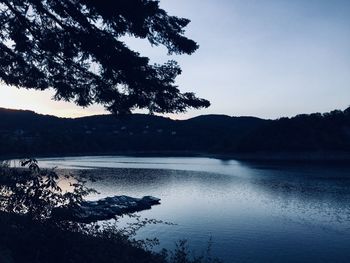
x=328 y=132
x=28 y=133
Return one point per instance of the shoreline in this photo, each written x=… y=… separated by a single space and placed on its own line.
x=312 y=157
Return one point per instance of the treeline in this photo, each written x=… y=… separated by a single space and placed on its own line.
x=28 y=133
x=24 y=132
x=328 y=132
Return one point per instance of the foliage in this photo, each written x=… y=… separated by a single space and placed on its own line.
x=28 y=241
x=34 y=192
x=214 y=134
x=28 y=133
x=181 y=254
x=23 y=240
x=328 y=132
x=76 y=48
x=28 y=234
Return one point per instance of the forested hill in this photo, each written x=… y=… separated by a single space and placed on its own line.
x=328 y=132
x=25 y=132
x=28 y=133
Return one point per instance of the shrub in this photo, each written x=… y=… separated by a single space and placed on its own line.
x=34 y=192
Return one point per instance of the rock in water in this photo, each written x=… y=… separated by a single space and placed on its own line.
x=104 y=209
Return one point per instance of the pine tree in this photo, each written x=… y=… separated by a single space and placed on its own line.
x=75 y=48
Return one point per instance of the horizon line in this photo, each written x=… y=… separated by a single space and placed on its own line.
x=168 y=117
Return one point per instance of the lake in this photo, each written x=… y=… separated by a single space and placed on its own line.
x=254 y=212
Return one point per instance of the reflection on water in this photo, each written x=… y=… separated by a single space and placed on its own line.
x=253 y=212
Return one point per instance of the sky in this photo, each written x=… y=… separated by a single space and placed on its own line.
x=265 y=58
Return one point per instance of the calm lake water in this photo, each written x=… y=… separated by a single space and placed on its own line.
x=254 y=212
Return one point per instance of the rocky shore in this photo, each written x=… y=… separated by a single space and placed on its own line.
x=105 y=209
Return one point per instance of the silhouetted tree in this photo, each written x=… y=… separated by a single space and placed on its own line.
x=75 y=47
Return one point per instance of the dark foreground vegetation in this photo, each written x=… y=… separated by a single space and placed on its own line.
x=23 y=240
x=27 y=133
x=29 y=233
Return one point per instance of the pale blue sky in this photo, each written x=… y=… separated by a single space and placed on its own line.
x=266 y=58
